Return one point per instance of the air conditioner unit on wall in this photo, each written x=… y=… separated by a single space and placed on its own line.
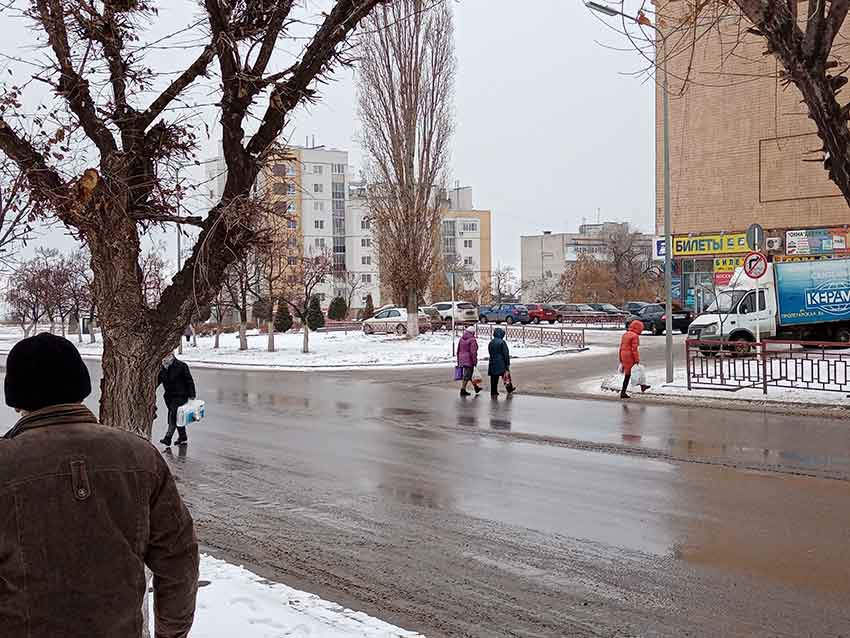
x=773 y=243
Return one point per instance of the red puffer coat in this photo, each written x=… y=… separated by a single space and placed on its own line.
x=629 y=344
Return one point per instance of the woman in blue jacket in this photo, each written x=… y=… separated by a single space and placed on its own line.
x=500 y=362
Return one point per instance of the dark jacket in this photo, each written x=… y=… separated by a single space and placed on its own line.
x=178 y=383
x=84 y=509
x=467 y=350
x=500 y=355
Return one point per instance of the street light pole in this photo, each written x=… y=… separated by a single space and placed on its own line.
x=668 y=241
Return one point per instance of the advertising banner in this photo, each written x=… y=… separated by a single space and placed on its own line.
x=821 y=241
x=701 y=245
x=813 y=291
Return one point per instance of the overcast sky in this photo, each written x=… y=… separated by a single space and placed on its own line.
x=550 y=130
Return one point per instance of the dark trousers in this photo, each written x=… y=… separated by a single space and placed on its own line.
x=626 y=380
x=172 y=423
x=494 y=384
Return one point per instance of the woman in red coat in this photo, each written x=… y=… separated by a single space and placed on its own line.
x=629 y=354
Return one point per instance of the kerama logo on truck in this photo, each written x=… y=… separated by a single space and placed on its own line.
x=813 y=291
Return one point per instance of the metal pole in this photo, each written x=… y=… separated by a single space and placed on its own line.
x=453 y=314
x=668 y=247
x=179 y=266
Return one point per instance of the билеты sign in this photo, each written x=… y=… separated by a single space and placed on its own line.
x=701 y=245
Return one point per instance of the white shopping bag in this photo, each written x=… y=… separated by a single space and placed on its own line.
x=191 y=411
x=638 y=375
x=476 y=375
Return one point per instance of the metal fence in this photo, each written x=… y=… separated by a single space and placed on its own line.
x=802 y=365
x=563 y=337
x=594 y=321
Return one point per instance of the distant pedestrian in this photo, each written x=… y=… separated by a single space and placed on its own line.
x=630 y=354
x=188 y=333
x=500 y=363
x=175 y=378
x=467 y=358
x=85 y=509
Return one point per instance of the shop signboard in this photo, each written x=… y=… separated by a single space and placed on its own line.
x=820 y=241
x=724 y=268
x=780 y=259
x=705 y=245
x=813 y=292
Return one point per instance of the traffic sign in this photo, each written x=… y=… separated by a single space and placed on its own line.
x=755 y=265
x=755 y=237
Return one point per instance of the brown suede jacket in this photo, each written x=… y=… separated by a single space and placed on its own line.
x=83 y=509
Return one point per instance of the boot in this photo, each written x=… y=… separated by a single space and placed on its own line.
x=623 y=395
x=464 y=393
x=644 y=388
x=182 y=439
x=510 y=388
x=165 y=441
x=477 y=388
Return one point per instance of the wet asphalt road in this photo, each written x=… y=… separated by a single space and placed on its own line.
x=524 y=517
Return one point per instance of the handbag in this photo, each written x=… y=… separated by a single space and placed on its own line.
x=638 y=375
x=458 y=373
x=476 y=375
x=506 y=377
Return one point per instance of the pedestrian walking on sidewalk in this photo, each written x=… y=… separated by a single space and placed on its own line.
x=85 y=509
x=467 y=358
x=500 y=363
x=176 y=379
x=630 y=355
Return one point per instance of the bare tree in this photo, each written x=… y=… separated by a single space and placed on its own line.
x=545 y=290
x=16 y=214
x=102 y=155
x=79 y=289
x=243 y=278
x=352 y=283
x=506 y=286
x=153 y=266
x=405 y=94
x=272 y=262
x=219 y=307
x=27 y=294
x=302 y=276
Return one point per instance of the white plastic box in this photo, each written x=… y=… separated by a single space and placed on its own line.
x=191 y=411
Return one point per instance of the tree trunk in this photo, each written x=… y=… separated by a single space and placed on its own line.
x=217 y=334
x=412 y=314
x=62 y=322
x=243 y=336
x=270 y=329
x=305 y=348
x=91 y=327
x=52 y=325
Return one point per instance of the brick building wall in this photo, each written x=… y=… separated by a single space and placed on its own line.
x=737 y=143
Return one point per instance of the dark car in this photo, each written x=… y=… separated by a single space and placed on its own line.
x=607 y=308
x=507 y=312
x=654 y=318
x=634 y=307
x=542 y=312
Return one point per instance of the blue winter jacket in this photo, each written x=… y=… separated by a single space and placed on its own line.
x=500 y=355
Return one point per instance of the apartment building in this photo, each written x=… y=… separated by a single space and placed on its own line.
x=545 y=257
x=741 y=151
x=466 y=236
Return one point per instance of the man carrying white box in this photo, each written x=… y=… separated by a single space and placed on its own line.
x=175 y=378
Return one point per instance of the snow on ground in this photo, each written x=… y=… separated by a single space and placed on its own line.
x=678 y=390
x=239 y=603
x=333 y=350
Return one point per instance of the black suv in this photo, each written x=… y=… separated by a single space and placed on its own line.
x=654 y=319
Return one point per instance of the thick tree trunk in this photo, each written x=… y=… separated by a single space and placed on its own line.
x=412 y=314
x=243 y=335
x=270 y=329
x=217 y=335
x=305 y=347
x=80 y=329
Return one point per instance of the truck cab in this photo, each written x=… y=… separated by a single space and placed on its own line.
x=734 y=315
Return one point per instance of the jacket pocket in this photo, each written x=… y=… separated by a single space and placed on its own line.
x=80 y=480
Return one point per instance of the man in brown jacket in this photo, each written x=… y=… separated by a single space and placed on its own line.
x=83 y=509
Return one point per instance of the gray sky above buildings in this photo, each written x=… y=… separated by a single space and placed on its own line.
x=549 y=128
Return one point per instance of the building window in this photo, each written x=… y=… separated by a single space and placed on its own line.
x=365 y=223
x=318 y=188
x=292 y=242
x=366 y=242
x=318 y=169
x=366 y=260
x=449 y=228
x=291 y=260
x=470 y=227
x=366 y=278
x=292 y=223
x=283 y=170
x=290 y=208
x=320 y=242
x=279 y=188
x=318 y=205
x=467 y=243
x=290 y=189
x=338 y=169
x=319 y=224
x=467 y=261
x=293 y=279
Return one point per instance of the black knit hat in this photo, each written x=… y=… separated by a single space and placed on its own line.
x=45 y=370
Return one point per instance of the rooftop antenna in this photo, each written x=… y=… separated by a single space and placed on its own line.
x=314 y=141
x=598 y=215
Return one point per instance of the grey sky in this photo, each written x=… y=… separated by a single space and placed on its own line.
x=548 y=128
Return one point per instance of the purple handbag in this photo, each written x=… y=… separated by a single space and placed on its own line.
x=458 y=373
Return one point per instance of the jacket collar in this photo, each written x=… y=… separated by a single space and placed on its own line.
x=52 y=415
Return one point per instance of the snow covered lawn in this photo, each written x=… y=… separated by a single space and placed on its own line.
x=331 y=350
x=239 y=603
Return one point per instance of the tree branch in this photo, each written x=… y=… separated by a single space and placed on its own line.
x=837 y=14
x=197 y=68
x=270 y=40
x=189 y=220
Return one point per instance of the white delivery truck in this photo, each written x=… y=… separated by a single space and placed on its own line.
x=801 y=300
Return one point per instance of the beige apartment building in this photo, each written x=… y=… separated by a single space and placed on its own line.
x=738 y=141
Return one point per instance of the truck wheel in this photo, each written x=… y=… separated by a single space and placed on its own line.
x=400 y=330
x=740 y=346
x=842 y=335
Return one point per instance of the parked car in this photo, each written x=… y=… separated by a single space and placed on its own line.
x=607 y=308
x=464 y=312
x=634 y=307
x=507 y=312
x=574 y=309
x=393 y=320
x=542 y=312
x=654 y=318
x=434 y=317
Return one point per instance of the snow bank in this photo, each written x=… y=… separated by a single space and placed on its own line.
x=235 y=602
x=329 y=350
